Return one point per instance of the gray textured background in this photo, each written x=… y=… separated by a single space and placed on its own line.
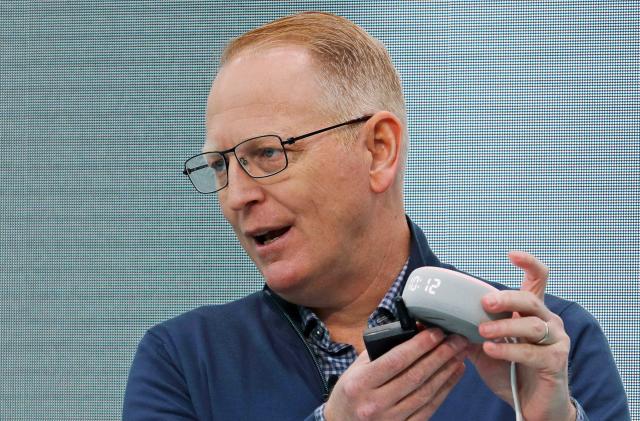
x=524 y=127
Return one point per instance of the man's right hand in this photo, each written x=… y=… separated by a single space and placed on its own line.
x=409 y=382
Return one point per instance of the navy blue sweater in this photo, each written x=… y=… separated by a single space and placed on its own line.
x=247 y=360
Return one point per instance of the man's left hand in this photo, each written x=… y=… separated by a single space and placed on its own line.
x=541 y=352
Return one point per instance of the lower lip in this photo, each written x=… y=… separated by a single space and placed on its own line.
x=273 y=246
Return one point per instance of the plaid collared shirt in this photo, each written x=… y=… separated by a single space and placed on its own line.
x=334 y=358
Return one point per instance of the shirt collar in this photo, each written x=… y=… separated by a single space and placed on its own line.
x=384 y=313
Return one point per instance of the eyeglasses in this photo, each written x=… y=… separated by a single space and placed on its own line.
x=259 y=157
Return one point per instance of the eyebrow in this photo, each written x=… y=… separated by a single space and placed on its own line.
x=285 y=129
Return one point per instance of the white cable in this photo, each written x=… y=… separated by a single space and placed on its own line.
x=514 y=392
x=514 y=386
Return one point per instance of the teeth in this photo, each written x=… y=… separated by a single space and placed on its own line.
x=270 y=240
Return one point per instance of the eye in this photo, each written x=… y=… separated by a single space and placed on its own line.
x=218 y=165
x=268 y=152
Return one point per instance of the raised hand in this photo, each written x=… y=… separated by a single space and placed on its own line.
x=541 y=352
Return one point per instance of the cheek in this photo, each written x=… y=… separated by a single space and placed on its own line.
x=312 y=186
x=230 y=216
x=332 y=189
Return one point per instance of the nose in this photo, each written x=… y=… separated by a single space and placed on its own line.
x=242 y=190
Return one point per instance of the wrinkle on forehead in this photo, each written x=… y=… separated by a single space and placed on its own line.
x=257 y=110
x=246 y=127
x=231 y=126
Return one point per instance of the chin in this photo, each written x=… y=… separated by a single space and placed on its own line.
x=284 y=281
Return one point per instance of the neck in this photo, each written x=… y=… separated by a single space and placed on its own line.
x=347 y=317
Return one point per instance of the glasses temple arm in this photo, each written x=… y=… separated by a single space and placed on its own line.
x=292 y=140
x=188 y=171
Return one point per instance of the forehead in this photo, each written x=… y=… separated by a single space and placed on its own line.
x=262 y=91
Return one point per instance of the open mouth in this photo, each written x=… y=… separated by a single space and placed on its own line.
x=270 y=236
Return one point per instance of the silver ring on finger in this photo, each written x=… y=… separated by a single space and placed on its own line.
x=545 y=337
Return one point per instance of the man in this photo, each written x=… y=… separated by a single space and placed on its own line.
x=306 y=146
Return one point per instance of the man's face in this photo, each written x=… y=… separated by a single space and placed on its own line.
x=301 y=227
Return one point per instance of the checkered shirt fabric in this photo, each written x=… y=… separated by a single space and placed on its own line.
x=334 y=358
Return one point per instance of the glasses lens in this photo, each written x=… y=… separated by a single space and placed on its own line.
x=207 y=171
x=262 y=156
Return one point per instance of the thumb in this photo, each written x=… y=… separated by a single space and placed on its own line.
x=536 y=273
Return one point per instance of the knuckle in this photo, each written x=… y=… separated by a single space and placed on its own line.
x=544 y=271
x=557 y=320
x=537 y=303
x=504 y=297
x=396 y=360
x=539 y=328
x=415 y=377
x=560 y=353
x=426 y=392
x=367 y=410
x=565 y=344
x=443 y=352
x=351 y=388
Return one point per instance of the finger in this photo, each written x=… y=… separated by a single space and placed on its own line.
x=401 y=357
x=530 y=329
x=362 y=359
x=536 y=273
x=428 y=409
x=420 y=326
x=523 y=302
x=426 y=391
x=539 y=357
x=414 y=377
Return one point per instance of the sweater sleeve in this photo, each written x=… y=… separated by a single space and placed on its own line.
x=156 y=388
x=593 y=377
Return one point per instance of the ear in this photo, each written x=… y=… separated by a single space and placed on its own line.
x=384 y=143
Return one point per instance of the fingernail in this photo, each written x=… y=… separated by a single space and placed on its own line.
x=459 y=342
x=490 y=346
x=436 y=335
x=490 y=300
